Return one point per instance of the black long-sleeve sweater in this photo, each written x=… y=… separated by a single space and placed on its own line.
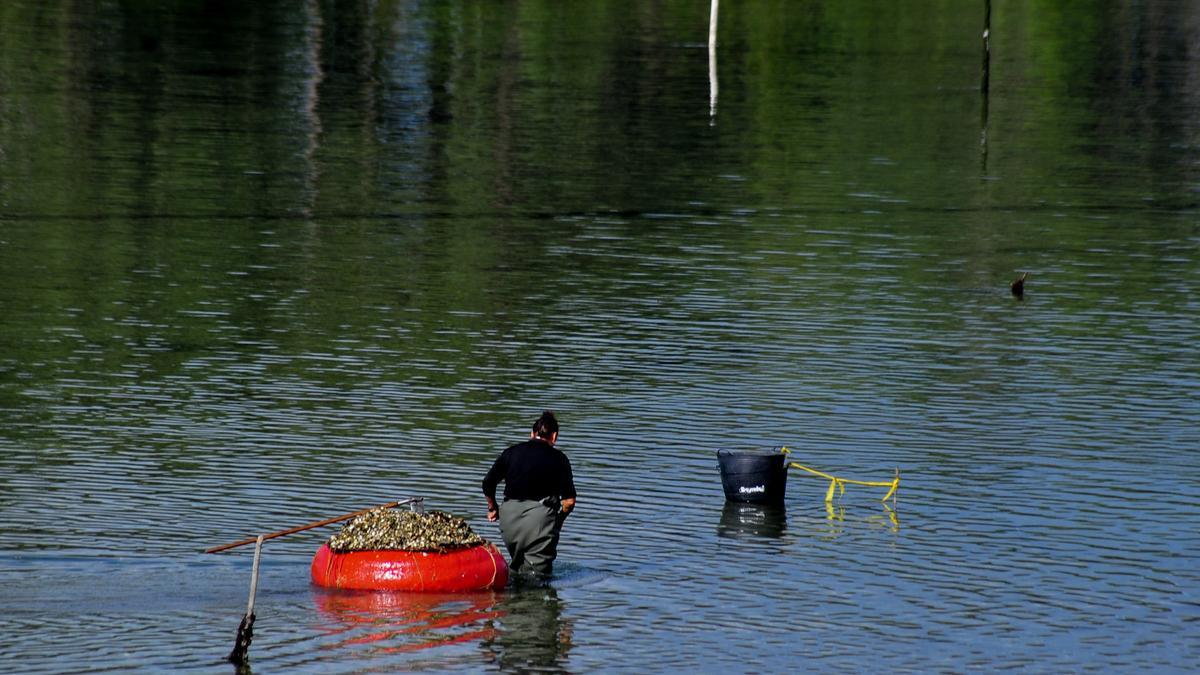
x=531 y=470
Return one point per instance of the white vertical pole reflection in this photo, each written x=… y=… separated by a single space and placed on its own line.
x=712 y=63
x=312 y=99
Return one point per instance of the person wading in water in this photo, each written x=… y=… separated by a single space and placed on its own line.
x=539 y=492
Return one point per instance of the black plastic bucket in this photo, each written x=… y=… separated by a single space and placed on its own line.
x=754 y=477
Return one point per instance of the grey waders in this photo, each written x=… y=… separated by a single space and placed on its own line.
x=530 y=530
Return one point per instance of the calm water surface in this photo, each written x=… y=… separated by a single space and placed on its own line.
x=264 y=265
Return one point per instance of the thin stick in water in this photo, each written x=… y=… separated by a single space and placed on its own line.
x=241 y=646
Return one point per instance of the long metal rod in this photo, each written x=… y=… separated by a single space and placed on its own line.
x=319 y=523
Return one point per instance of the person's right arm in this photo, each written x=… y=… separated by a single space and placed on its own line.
x=567 y=490
x=491 y=480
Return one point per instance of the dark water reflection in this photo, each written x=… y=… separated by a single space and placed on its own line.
x=406 y=622
x=752 y=520
x=262 y=264
x=535 y=636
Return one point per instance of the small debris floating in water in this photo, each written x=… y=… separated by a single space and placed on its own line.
x=390 y=529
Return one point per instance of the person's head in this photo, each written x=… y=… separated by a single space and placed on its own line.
x=546 y=427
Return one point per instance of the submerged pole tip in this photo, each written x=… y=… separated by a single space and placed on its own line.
x=241 y=647
x=1018 y=285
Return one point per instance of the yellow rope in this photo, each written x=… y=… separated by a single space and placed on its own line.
x=840 y=483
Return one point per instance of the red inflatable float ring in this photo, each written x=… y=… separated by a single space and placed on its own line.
x=474 y=568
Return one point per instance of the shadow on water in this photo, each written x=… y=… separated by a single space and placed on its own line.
x=741 y=520
x=391 y=622
x=532 y=633
x=747 y=521
x=835 y=519
x=519 y=629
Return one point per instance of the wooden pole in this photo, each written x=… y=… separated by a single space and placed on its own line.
x=254 y=575
x=319 y=523
x=245 y=634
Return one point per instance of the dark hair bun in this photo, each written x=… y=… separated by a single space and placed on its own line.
x=546 y=425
